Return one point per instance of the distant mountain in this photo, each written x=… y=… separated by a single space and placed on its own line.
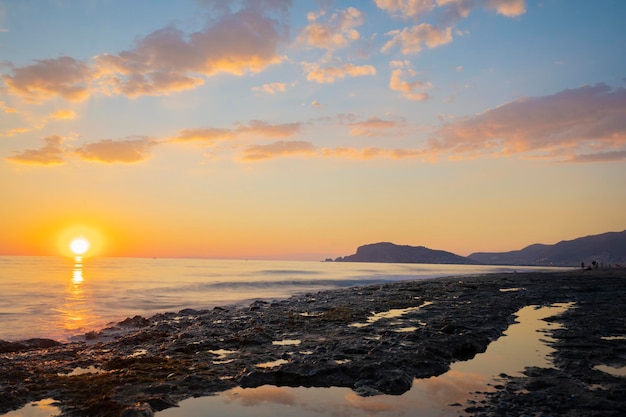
x=607 y=248
x=389 y=252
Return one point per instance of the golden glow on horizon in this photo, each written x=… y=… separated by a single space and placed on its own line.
x=79 y=241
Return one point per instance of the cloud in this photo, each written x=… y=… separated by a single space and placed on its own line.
x=253 y=128
x=123 y=151
x=6 y=109
x=405 y=8
x=372 y=127
x=331 y=73
x=586 y=123
x=459 y=9
x=337 y=32
x=204 y=135
x=508 y=8
x=62 y=115
x=262 y=128
x=411 y=40
x=47 y=78
x=50 y=154
x=316 y=104
x=280 y=148
x=167 y=60
x=16 y=131
x=271 y=88
x=412 y=90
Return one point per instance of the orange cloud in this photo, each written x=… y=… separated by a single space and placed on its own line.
x=337 y=32
x=16 y=131
x=206 y=135
x=47 y=78
x=411 y=40
x=412 y=90
x=50 y=154
x=330 y=74
x=6 y=109
x=109 y=151
x=280 y=148
x=62 y=115
x=261 y=128
x=586 y=123
x=167 y=60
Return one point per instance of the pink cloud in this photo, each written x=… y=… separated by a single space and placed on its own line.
x=372 y=127
x=168 y=60
x=47 y=78
x=123 y=151
x=508 y=8
x=589 y=120
x=253 y=128
x=50 y=154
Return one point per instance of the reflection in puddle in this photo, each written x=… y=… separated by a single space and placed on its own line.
x=222 y=353
x=613 y=338
x=611 y=370
x=524 y=344
x=81 y=371
x=390 y=314
x=287 y=342
x=43 y=408
x=272 y=364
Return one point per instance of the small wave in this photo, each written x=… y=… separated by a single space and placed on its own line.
x=313 y=284
x=288 y=272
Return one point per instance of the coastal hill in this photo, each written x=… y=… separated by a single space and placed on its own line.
x=392 y=253
x=607 y=248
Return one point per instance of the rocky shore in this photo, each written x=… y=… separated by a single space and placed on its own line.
x=374 y=339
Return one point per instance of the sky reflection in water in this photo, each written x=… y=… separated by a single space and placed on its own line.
x=524 y=345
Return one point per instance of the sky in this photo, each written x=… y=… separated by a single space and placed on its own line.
x=302 y=129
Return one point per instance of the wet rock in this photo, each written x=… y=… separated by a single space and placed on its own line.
x=138 y=410
x=136 y=322
x=169 y=357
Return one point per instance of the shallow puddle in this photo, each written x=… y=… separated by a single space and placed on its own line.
x=612 y=370
x=390 y=314
x=524 y=344
x=43 y=408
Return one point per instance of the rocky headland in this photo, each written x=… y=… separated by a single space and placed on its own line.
x=334 y=338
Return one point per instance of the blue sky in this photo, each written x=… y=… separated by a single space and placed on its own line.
x=300 y=129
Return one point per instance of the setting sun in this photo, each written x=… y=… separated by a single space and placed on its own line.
x=79 y=246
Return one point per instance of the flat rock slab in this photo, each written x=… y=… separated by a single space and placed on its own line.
x=373 y=339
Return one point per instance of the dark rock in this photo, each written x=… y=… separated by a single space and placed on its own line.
x=138 y=410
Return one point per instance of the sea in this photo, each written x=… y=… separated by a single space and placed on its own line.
x=63 y=298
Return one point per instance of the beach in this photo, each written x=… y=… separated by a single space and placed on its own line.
x=373 y=339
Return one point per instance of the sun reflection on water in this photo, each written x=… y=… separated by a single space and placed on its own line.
x=76 y=311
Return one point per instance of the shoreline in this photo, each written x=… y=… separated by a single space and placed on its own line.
x=325 y=339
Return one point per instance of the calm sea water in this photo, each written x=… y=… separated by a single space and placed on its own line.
x=60 y=298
